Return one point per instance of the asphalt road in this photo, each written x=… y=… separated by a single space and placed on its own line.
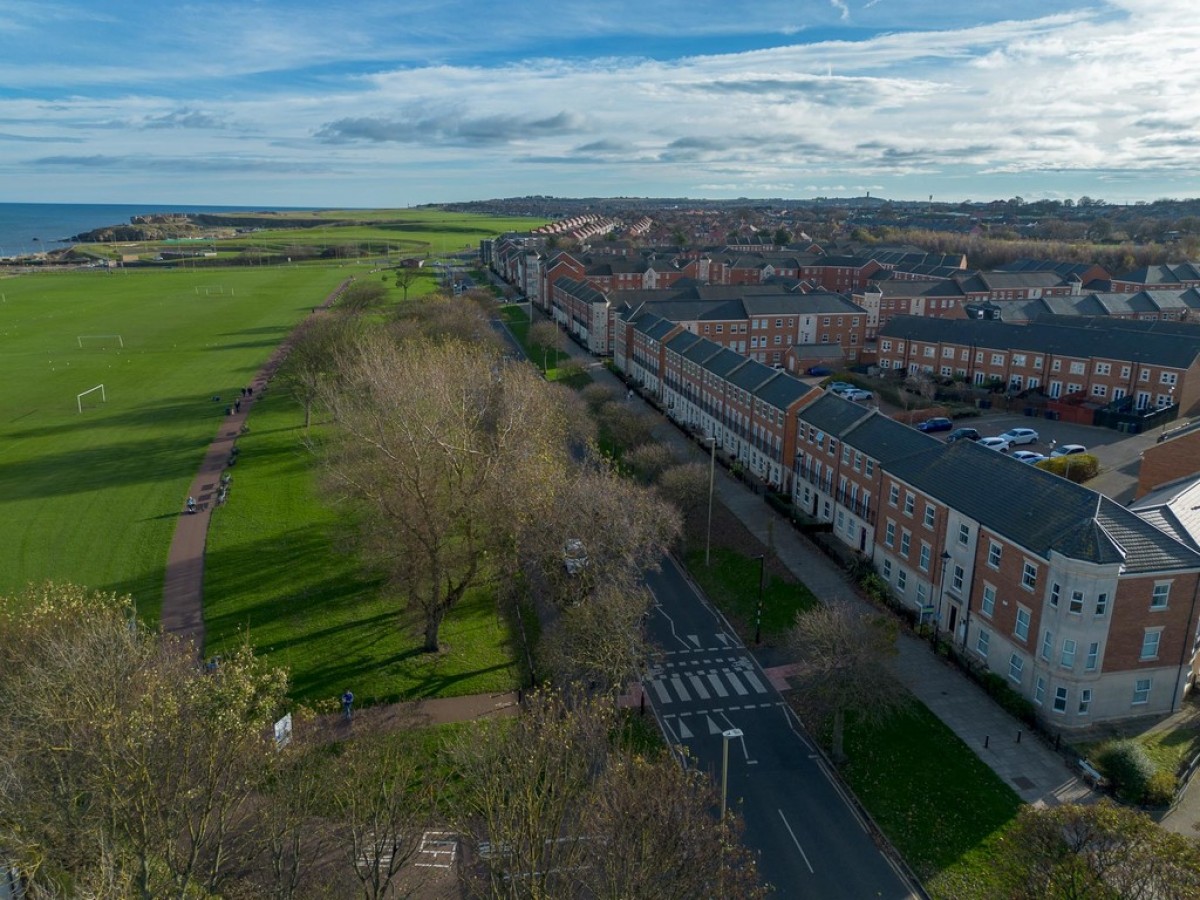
x=810 y=839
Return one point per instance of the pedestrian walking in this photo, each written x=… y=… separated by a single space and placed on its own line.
x=348 y=705
x=191 y=504
x=237 y=405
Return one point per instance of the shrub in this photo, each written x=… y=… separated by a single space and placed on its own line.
x=1130 y=769
x=1161 y=789
x=1079 y=467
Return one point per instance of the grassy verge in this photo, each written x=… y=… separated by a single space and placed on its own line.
x=277 y=571
x=731 y=582
x=938 y=803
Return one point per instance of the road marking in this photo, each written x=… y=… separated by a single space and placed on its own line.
x=713 y=727
x=737 y=685
x=723 y=638
x=680 y=689
x=684 y=731
x=661 y=691
x=754 y=682
x=717 y=686
x=694 y=639
x=698 y=686
x=796 y=842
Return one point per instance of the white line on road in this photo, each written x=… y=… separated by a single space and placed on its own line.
x=677 y=682
x=754 y=682
x=663 y=696
x=737 y=685
x=796 y=842
x=717 y=686
x=698 y=686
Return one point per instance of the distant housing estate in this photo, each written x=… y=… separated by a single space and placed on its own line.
x=1088 y=609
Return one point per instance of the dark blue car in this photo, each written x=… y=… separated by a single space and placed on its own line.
x=937 y=423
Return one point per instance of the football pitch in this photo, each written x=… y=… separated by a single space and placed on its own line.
x=92 y=481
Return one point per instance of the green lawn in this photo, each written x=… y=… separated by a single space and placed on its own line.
x=731 y=582
x=938 y=803
x=277 y=569
x=94 y=497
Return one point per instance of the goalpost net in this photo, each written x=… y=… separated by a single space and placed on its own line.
x=100 y=337
x=79 y=397
x=210 y=289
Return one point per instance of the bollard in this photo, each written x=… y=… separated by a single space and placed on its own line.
x=1018 y=737
x=1057 y=741
x=986 y=738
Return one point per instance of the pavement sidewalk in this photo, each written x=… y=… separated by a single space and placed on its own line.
x=1038 y=774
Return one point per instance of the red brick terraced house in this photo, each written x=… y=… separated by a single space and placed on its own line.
x=1083 y=607
x=1103 y=359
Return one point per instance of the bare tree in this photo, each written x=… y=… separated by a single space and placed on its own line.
x=406 y=277
x=546 y=334
x=433 y=444
x=624 y=426
x=526 y=783
x=599 y=641
x=685 y=487
x=655 y=838
x=840 y=653
x=623 y=527
x=361 y=296
x=648 y=461
x=311 y=359
x=556 y=807
x=382 y=801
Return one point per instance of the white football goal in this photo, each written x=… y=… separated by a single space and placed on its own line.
x=79 y=397
x=105 y=339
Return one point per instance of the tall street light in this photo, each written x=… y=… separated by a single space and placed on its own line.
x=726 y=736
x=712 y=467
x=762 y=574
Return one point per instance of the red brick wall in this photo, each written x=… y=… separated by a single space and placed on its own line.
x=1169 y=461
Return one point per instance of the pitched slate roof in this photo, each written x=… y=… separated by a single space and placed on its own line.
x=798 y=304
x=750 y=375
x=782 y=391
x=1041 y=511
x=724 y=362
x=685 y=341
x=833 y=414
x=1158 y=343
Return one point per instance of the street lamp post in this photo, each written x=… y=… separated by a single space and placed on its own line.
x=762 y=574
x=941 y=595
x=712 y=467
x=726 y=737
x=1166 y=411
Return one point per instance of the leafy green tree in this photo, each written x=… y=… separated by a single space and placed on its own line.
x=128 y=768
x=1095 y=852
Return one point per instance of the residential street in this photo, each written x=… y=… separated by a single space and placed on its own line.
x=812 y=841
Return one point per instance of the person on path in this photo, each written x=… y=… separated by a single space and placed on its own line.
x=348 y=705
x=191 y=504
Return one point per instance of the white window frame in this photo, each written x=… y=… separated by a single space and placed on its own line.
x=1029 y=576
x=1016 y=666
x=1141 y=691
x=1022 y=622
x=987 y=603
x=1151 y=643
x=983 y=642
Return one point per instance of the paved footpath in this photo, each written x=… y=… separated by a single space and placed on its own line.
x=183 y=588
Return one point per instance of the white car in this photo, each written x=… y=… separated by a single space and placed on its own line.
x=1028 y=456
x=1068 y=450
x=1016 y=436
x=994 y=443
x=856 y=394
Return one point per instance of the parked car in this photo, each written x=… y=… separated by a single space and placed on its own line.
x=994 y=443
x=839 y=387
x=1068 y=450
x=857 y=394
x=1028 y=456
x=1017 y=436
x=937 y=423
x=820 y=371
x=963 y=434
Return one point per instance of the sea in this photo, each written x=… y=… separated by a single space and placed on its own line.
x=34 y=227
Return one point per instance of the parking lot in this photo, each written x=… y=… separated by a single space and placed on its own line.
x=1119 y=454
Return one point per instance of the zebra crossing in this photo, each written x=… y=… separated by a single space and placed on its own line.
x=701 y=677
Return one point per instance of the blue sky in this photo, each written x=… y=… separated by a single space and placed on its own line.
x=388 y=104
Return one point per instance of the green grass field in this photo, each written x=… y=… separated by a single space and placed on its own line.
x=277 y=569
x=93 y=497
